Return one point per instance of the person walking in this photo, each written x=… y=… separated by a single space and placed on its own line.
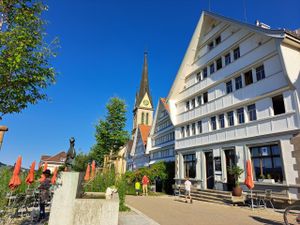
x=137 y=187
x=145 y=182
x=187 y=187
x=44 y=193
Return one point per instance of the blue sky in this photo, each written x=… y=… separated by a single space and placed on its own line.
x=101 y=56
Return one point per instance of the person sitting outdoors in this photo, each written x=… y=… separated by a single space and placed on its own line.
x=187 y=187
x=44 y=193
x=137 y=186
x=145 y=182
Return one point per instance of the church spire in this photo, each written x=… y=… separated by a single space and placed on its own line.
x=144 y=85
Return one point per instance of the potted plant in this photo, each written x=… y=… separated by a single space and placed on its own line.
x=236 y=172
x=269 y=179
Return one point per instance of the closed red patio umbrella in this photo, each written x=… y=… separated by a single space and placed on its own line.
x=249 y=179
x=15 y=180
x=93 y=169
x=30 y=177
x=43 y=177
x=87 y=173
x=54 y=177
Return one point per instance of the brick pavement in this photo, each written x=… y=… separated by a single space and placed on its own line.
x=166 y=211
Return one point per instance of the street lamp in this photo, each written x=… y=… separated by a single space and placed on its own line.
x=3 y=129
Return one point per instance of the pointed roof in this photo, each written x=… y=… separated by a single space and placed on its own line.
x=144 y=85
x=145 y=130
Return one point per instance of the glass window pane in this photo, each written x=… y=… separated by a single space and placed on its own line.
x=275 y=150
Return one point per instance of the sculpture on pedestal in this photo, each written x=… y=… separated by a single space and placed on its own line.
x=71 y=154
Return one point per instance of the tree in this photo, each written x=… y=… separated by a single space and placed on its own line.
x=81 y=161
x=110 y=132
x=24 y=55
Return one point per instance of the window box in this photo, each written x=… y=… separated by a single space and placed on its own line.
x=268 y=181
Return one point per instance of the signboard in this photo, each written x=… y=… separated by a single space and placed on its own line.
x=218 y=165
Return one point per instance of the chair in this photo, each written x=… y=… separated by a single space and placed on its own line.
x=268 y=198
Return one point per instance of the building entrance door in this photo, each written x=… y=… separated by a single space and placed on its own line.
x=230 y=161
x=210 y=180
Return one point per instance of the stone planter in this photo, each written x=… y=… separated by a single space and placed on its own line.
x=268 y=181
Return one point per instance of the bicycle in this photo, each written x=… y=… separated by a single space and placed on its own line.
x=292 y=215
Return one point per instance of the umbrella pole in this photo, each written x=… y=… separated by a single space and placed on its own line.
x=251 y=200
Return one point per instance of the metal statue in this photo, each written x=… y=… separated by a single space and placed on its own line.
x=70 y=155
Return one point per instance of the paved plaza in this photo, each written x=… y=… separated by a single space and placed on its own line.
x=166 y=211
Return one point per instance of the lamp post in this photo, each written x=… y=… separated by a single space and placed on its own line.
x=3 y=129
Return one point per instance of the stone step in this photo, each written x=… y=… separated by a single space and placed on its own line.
x=211 y=191
x=214 y=197
x=209 y=200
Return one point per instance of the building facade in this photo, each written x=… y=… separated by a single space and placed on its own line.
x=236 y=97
x=162 y=136
x=53 y=161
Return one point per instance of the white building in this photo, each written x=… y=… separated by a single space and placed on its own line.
x=236 y=97
x=161 y=139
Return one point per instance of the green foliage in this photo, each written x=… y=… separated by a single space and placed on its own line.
x=81 y=161
x=101 y=182
x=110 y=134
x=24 y=55
x=236 y=171
x=122 y=188
x=155 y=170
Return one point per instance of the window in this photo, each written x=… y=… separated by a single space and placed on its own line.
x=212 y=68
x=278 y=105
x=210 y=45
x=199 y=100
x=193 y=103
x=188 y=132
x=199 y=127
x=147 y=118
x=205 y=97
x=213 y=123
x=227 y=59
x=251 y=112
x=182 y=132
x=143 y=117
x=198 y=76
x=187 y=105
x=205 y=72
x=229 y=87
x=240 y=115
x=260 y=73
x=219 y=63
x=238 y=83
x=230 y=118
x=267 y=162
x=248 y=77
x=193 y=129
x=189 y=162
x=221 y=121
x=218 y=40
x=236 y=53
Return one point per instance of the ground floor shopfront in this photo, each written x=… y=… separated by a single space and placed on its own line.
x=273 y=159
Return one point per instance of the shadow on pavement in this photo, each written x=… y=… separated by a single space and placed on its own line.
x=266 y=221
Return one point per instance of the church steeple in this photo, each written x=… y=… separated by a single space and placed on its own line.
x=143 y=107
x=144 y=85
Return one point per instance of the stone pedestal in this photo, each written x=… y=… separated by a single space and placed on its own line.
x=62 y=208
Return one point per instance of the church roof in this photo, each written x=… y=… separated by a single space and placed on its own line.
x=144 y=85
x=145 y=130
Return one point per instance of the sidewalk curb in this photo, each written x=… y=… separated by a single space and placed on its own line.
x=152 y=222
